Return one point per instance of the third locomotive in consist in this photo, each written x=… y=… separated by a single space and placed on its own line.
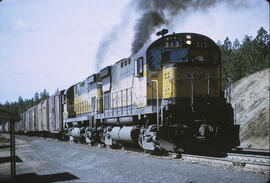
x=167 y=96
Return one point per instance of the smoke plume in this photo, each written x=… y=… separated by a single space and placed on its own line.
x=110 y=38
x=155 y=13
x=104 y=46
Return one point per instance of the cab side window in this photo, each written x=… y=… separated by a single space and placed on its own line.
x=139 y=67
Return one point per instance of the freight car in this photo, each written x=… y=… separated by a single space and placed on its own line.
x=167 y=96
x=44 y=119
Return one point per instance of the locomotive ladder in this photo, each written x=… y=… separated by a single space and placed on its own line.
x=156 y=81
x=162 y=101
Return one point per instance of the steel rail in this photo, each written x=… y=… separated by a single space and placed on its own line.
x=264 y=152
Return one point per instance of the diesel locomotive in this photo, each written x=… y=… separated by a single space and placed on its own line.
x=167 y=96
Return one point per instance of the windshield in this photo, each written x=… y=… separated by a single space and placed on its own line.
x=158 y=56
x=191 y=55
x=154 y=59
x=203 y=55
x=175 y=55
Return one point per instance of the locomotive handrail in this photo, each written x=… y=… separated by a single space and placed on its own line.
x=163 y=95
x=156 y=81
x=208 y=85
x=229 y=92
x=192 y=93
x=116 y=99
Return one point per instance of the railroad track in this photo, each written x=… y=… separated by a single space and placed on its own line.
x=250 y=162
x=258 y=163
x=264 y=152
x=248 y=159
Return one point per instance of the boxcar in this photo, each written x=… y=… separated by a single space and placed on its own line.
x=45 y=116
x=55 y=125
x=39 y=118
x=31 y=115
x=26 y=118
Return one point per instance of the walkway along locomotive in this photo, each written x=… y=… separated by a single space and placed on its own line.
x=167 y=96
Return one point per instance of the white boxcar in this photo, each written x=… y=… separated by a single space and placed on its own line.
x=26 y=117
x=55 y=113
x=51 y=113
x=22 y=127
x=39 y=117
x=45 y=115
x=31 y=117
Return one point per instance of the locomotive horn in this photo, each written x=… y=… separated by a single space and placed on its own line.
x=162 y=32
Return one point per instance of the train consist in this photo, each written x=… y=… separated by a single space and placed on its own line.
x=167 y=96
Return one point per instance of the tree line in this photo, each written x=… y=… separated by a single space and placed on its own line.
x=23 y=104
x=239 y=59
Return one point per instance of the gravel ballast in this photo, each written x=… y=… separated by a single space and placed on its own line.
x=95 y=164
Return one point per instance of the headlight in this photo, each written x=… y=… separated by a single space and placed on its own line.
x=188 y=42
x=188 y=36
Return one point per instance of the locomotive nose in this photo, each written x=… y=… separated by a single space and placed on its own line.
x=182 y=82
x=169 y=76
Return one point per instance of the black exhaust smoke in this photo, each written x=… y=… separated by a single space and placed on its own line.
x=156 y=13
x=103 y=48
x=152 y=15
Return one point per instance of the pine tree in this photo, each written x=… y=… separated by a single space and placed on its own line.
x=20 y=105
x=241 y=59
x=36 y=98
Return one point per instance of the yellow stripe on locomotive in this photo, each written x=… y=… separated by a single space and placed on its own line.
x=187 y=81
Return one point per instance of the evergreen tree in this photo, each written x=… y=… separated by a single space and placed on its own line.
x=21 y=107
x=262 y=42
x=241 y=59
x=236 y=45
x=36 y=98
x=7 y=106
x=56 y=91
x=44 y=95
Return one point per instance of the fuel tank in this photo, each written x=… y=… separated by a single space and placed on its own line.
x=127 y=134
x=77 y=132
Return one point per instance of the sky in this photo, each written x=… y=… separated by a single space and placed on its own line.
x=50 y=44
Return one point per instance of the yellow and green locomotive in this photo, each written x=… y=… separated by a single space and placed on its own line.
x=166 y=96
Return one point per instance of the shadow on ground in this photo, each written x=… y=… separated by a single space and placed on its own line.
x=4 y=146
x=8 y=159
x=34 y=178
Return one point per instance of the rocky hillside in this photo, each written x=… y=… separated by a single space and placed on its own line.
x=252 y=106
